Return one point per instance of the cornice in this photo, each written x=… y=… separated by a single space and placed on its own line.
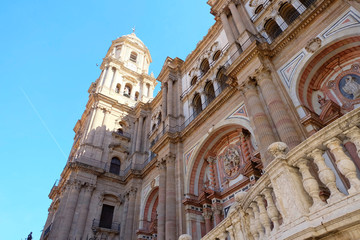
x=213 y=32
x=295 y=28
x=170 y=69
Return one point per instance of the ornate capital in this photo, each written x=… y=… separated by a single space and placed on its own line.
x=217 y=209
x=170 y=158
x=89 y=187
x=161 y=163
x=207 y=213
x=262 y=73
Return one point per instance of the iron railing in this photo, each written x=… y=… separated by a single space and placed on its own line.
x=123 y=134
x=223 y=50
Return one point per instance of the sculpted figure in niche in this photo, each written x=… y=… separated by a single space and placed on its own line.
x=351 y=87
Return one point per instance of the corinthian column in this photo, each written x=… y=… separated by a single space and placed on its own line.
x=170 y=198
x=162 y=199
x=170 y=96
x=164 y=102
x=123 y=217
x=237 y=19
x=69 y=210
x=258 y=116
x=139 y=134
x=282 y=120
x=227 y=28
x=130 y=215
x=88 y=188
x=207 y=216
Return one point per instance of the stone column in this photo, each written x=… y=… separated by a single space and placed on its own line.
x=170 y=97
x=105 y=75
x=59 y=213
x=88 y=188
x=170 y=198
x=130 y=215
x=69 y=210
x=207 y=216
x=162 y=199
x=133 y=146
x=113 y=79
x=283 y=123
x=259 y=118
x=139 y=133
x=164 y=102
x=237 y=19
x=227 y=28
x=100 y=143
x=217 y=210
x=123 y=217
x=244 y=146
x=91 y=129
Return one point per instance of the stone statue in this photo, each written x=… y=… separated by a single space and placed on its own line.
x=351 y=87
x=29 y=236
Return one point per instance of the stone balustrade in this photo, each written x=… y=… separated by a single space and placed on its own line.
x=300 y=195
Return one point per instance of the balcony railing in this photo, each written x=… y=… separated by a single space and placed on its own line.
x=97 y=226
x=289 y=199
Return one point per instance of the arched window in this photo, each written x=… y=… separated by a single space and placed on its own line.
x=136 y=96
x=204 y=66
x=272 y=29
x=147 y=90
x=216 y=55
x=127 y=90
x=117 y=88
x=159 y=118
x=221 y=78
x=197 y=104
x=209 y=92
x=133 y=57
x=115 y=166
x=259 y=9
x=153 y=127
x=307 y=3
x=288 y=13
x=117 y=52
x=193 y=81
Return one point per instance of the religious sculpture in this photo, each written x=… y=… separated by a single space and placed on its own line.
x=351 y=87
x=231 y=161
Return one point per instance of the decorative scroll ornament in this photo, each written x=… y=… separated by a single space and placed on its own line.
x=232 y=161
x=255 y=3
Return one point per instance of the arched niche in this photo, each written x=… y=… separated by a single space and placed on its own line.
x=222 y=140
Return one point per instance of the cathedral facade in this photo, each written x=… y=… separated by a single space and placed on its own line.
x=255 y=135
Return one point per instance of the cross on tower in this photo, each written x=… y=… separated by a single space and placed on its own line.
x=133 y=29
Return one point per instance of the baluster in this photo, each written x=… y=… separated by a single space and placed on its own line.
x=258 y=225
x=253 y=230
x=264 y=218
x=271 y=208
x=326 y=175
x=222 y=236
x=344 y=164
x=354 y=135
x=230 y=230
x=310 y=184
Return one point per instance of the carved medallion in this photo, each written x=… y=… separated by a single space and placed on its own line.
x=313 y=45
x=232 y=161
x=349 y=86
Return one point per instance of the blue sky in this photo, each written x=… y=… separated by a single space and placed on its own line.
x=49 y=52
